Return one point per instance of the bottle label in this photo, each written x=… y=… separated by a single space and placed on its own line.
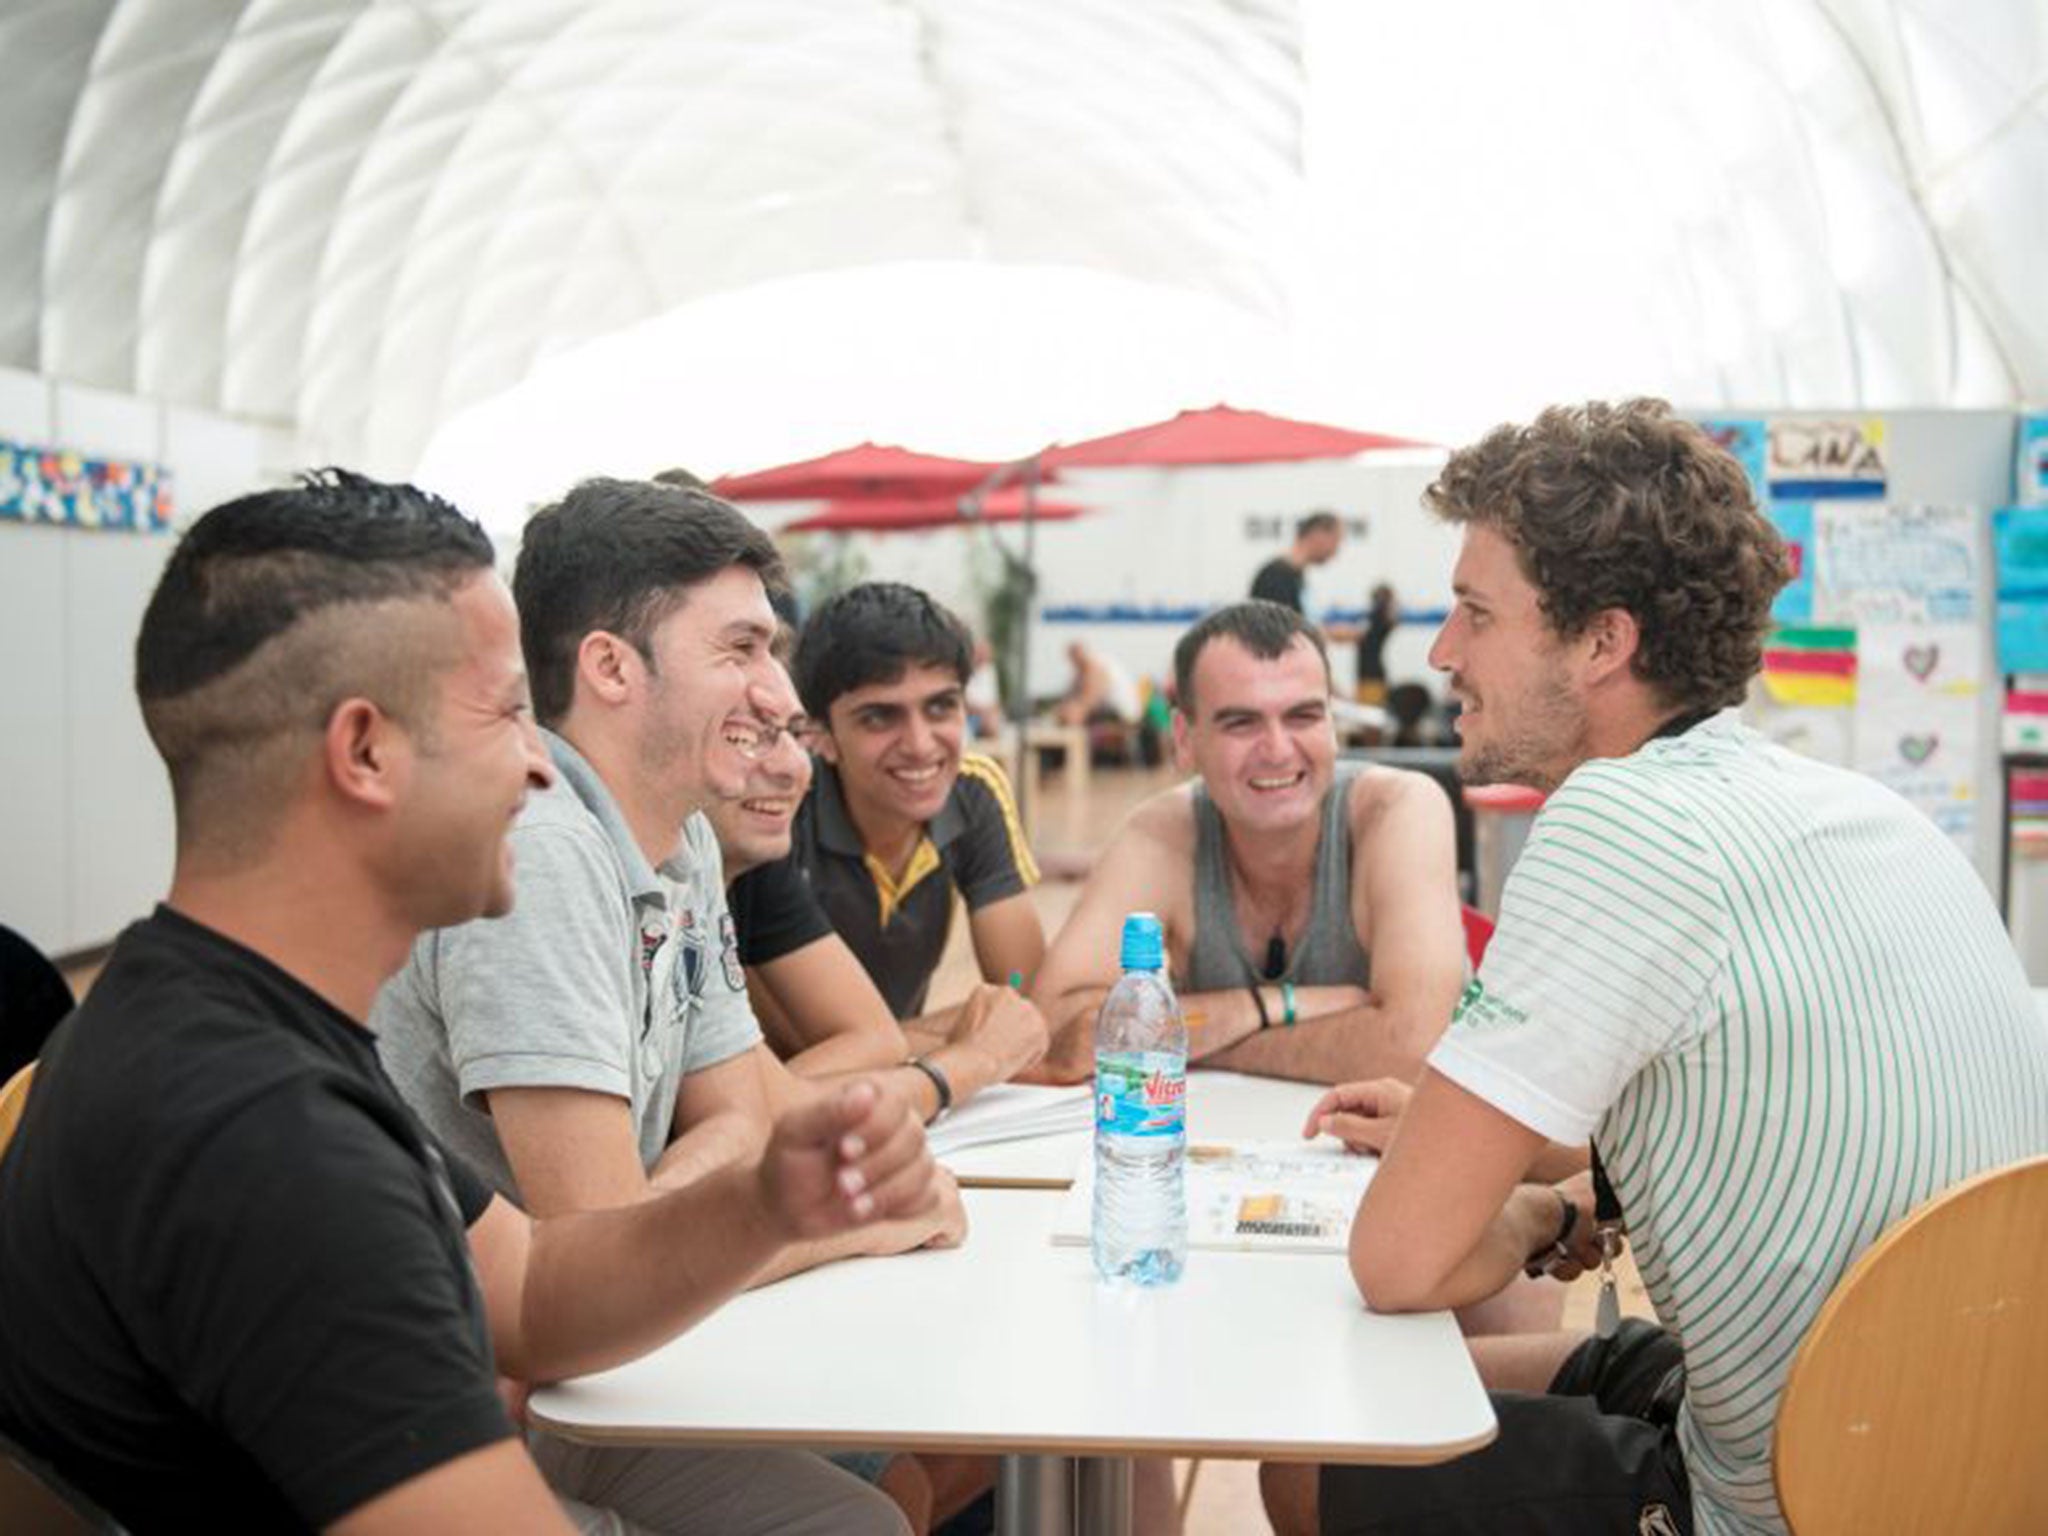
x=1140 y=1093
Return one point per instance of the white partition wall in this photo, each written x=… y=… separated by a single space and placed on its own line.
x=85 y=814
x=35 y=843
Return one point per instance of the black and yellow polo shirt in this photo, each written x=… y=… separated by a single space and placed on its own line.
x=897 y=928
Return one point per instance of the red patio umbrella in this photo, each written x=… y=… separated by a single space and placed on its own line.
x=885 y=514
x=868 y=469
x=1220 y=435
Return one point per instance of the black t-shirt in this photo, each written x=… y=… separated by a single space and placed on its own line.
x=975 y=846
x=235 y=1288
x=1279 y=581
x=774 y=913
x=1372 y=647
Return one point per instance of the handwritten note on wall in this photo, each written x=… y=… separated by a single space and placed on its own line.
x=1884 y=564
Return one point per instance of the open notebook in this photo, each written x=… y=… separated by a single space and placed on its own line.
x=1256 y=1196
x=1012 y=1112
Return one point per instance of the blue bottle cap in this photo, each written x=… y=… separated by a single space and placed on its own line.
x=1144 y=943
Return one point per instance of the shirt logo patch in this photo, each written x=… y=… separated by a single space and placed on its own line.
x=1474 y=990
x=688 y=978
x=1480 y=1009
x=729 y=953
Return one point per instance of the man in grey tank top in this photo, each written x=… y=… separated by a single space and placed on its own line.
x=1277 y=874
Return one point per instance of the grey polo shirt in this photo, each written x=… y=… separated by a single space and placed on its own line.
x=609 y=975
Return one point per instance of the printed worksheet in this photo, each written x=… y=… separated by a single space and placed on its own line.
x=1252 y=1195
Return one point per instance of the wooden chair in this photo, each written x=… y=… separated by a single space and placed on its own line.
x=13 y=1100
x=1915 y=1402
x=34 y=1500
x=1478 y=933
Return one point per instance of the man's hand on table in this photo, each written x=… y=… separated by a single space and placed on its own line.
x=1070 y=1057
x=949 y=1219
x=1363 y=1115
x=847 y=1159
x=1000 y=1031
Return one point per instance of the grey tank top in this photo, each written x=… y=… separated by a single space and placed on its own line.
x=1329 y=952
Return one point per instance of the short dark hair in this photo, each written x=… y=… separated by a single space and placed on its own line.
x=1316 y=522
x=620 y=556
x=1264 y=628
x=255 y=631
x=1628 y=506
x=874 y=633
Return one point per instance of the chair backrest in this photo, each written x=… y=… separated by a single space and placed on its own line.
x=35 y=1501
x=1916 y=1401
x=13 y=1100
x=1478 y=933
x=33 y=997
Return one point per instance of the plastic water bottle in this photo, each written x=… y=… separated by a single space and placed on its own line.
x=1141 y=1075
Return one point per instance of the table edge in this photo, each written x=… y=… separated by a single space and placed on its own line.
x=1020 y=1445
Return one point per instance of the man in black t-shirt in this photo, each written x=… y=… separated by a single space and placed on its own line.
x=1282 y=578
x=819 y=1008
x=243 y=1289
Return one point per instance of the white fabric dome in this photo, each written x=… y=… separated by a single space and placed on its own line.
x=358 y=217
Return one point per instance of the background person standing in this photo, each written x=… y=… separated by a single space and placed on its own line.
x=1317 y=537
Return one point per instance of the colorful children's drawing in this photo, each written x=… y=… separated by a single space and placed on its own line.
x=1823 y=460
x=55 y=485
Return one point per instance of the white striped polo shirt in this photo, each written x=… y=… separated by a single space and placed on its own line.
x=1785 y=1009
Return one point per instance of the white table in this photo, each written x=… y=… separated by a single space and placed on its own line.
x=1008 y=1344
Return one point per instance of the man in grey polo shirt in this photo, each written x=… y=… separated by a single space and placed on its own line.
x=596 y=1047
x=604 y=935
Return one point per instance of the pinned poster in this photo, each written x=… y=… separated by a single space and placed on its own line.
x=54 y=485
x=2023 y=632
x=2023 y=727
x=1794 y=522
x=2019 y=545
x=2030 y=471
x=1886 y=564
x=1842 y=460
x=1808 y=668
x=1748 y=439
x=1916 y=718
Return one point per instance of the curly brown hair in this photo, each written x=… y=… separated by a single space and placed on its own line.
x=1627 y=506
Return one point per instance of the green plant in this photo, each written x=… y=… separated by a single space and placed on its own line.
x=1005 y=586
x=821 y=565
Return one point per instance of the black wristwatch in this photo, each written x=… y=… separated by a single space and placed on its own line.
x=944 y=1089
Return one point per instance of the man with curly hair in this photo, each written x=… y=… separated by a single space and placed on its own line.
x=1775 y=997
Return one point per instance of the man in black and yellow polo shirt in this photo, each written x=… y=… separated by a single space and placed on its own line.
x=899 y=816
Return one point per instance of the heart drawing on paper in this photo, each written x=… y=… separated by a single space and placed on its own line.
x=1917 y=749
x=1921 y=660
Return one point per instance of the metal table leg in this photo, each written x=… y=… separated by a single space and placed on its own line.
x=1105 y=1496
x=1035 y=1496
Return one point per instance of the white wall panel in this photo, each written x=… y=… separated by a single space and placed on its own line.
x=86 y=834
x=24 y=406
x=106 y=424
x=119 y=805
x=35 y=789
x=212 y=460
